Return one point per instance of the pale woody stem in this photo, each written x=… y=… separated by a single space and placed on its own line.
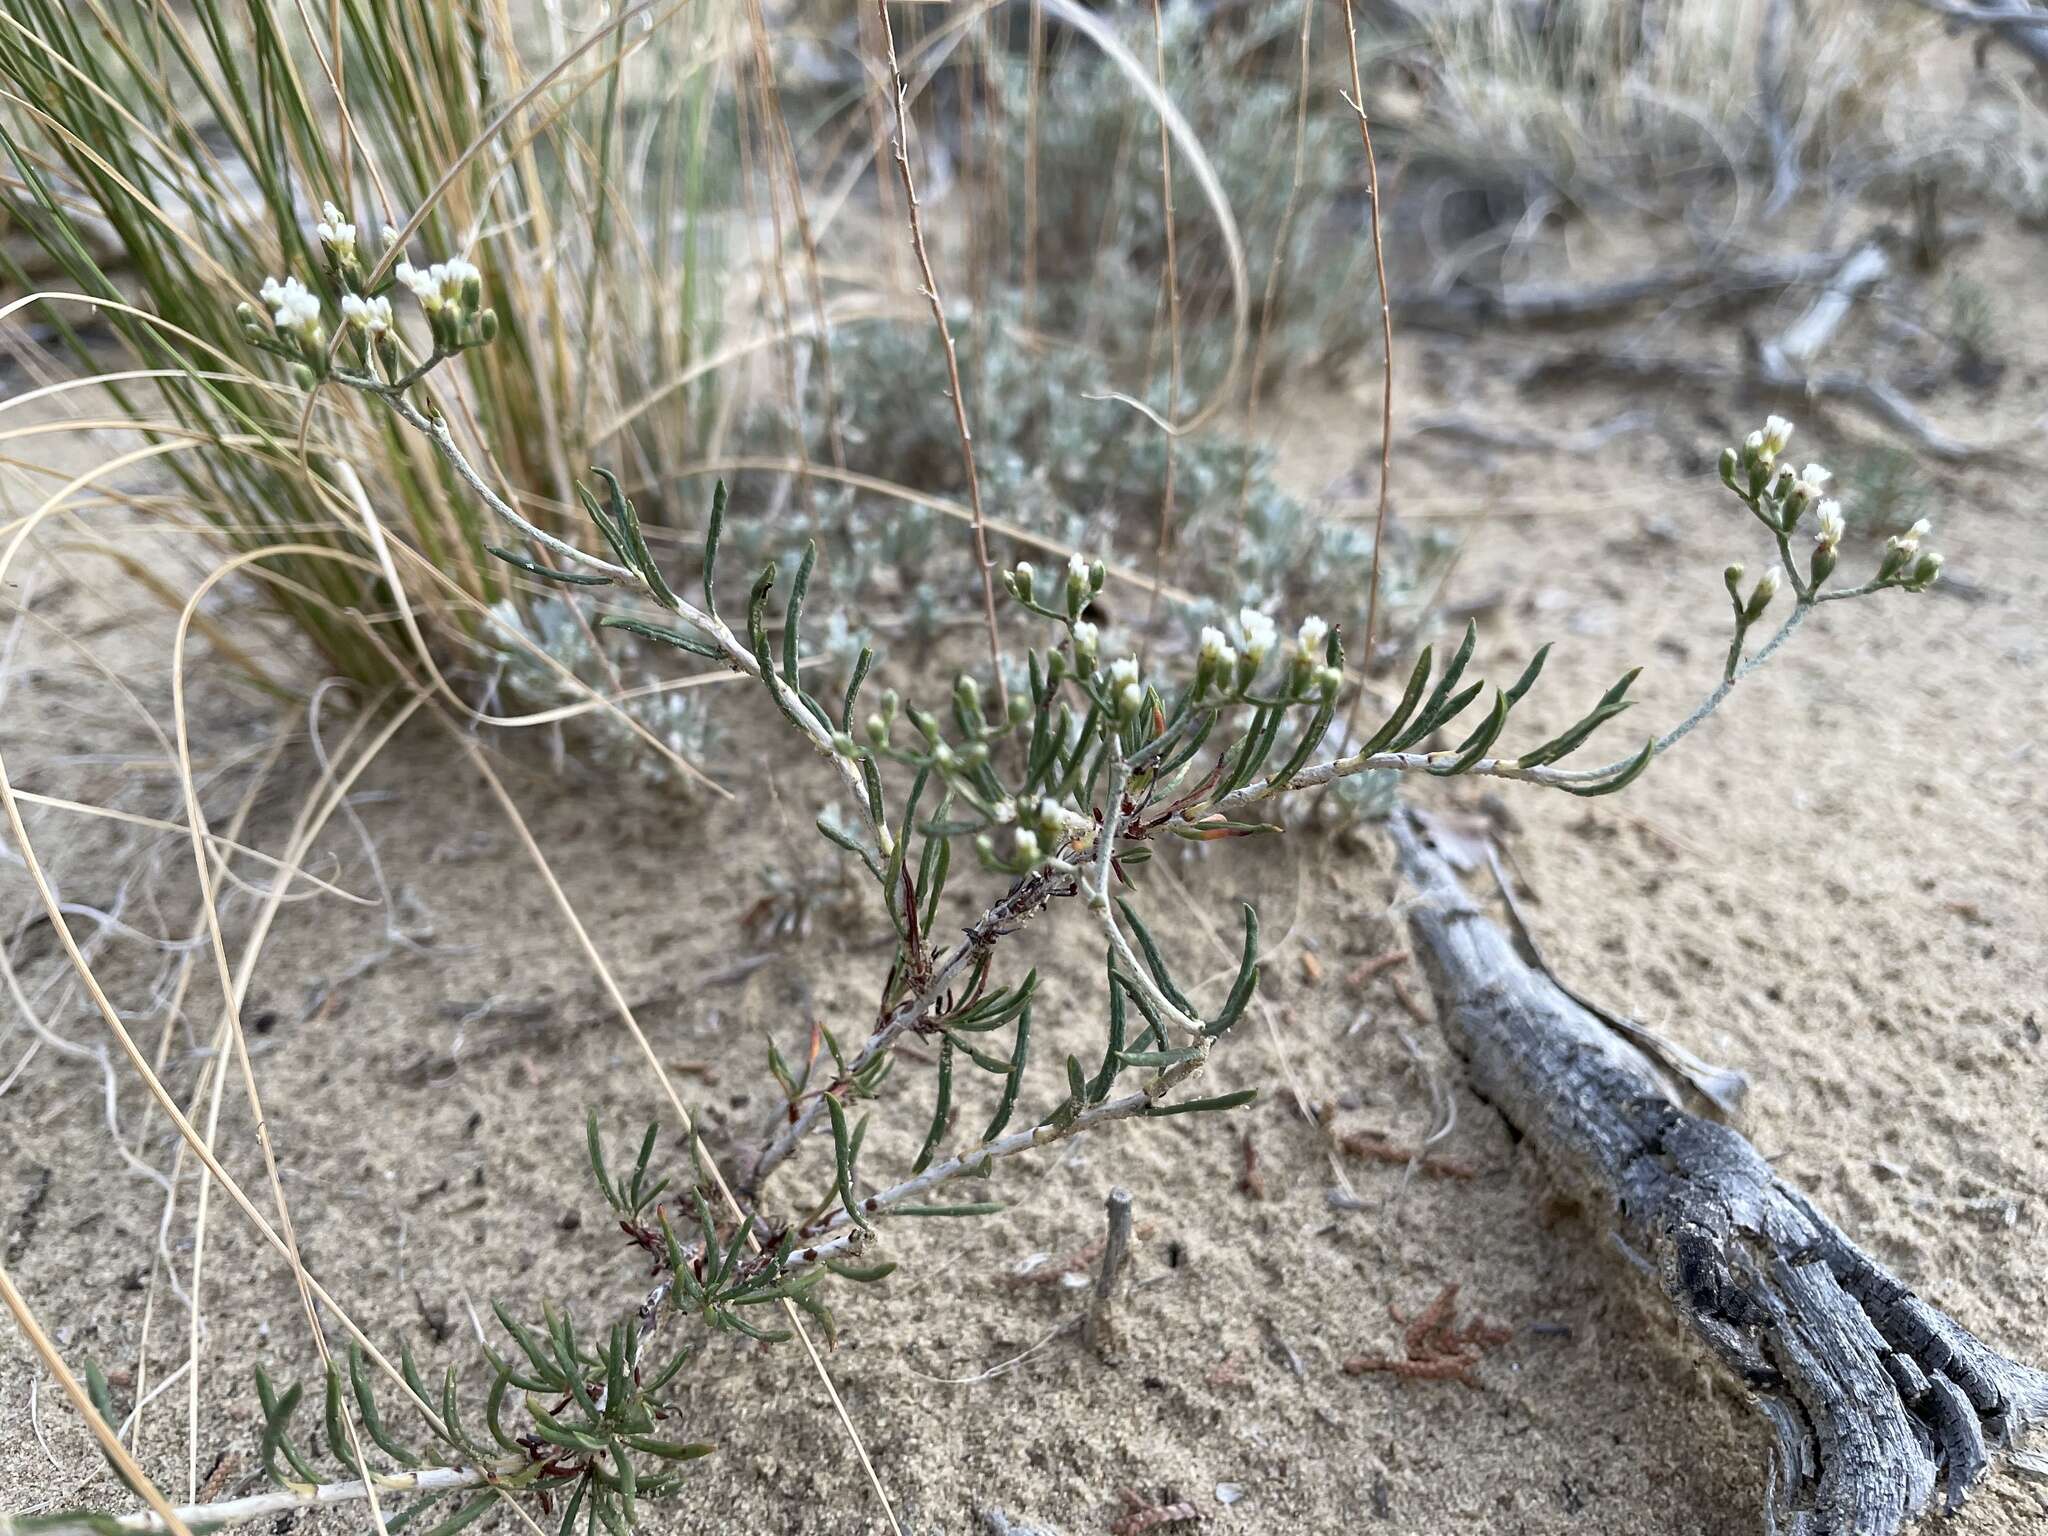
x=200 y=1518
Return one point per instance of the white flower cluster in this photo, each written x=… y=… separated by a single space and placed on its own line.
x=370 y=315
x=336 y=233
x=1781 y=497
x=441 y=284
x=294 y=309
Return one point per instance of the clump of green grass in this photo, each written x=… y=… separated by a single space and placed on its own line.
x=164 y=159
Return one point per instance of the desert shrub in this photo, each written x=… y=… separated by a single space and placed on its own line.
x=1081 y=471
x=969 y=815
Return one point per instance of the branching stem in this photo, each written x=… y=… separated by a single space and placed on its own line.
x=262 y=1506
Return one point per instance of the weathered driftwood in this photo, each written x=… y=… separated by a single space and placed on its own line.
x=2018 y=23
x=1874 y=1395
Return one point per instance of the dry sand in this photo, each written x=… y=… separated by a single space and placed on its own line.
x=1835 y=886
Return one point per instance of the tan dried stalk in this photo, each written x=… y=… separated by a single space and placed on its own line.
x=1356 y=101
x=933 y=296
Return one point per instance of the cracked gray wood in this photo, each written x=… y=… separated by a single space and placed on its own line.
x=1875 y=1397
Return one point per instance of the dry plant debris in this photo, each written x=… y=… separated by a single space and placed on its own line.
x=1433 y=1345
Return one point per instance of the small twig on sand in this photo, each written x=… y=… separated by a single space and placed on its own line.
x=1250 y=1182
x=1375 y=1147
x=1143 y=1516
x=1364 y=972
x=1101 y=1331
x=1433 y=1347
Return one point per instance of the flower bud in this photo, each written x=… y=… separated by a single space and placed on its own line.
x=843 y=744
x=1824 y=558
x=1766 y=589
x=968 y=692
x=1078 y=588
x=1019 y=581
x=1925 y=569
x=1087 y=638
x=1832 y=525
x=1733 y=578
x=1255 y=636
x=1020 y=709
x=878 y=730
x=1731 y=462
x=1027 y=845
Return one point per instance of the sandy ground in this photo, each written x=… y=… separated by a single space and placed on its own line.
x=1835 y=886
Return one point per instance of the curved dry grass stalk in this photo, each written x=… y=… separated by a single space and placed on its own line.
x=661 y=1075
x=1092 y=26
x=984 y=570
x=1356 y=101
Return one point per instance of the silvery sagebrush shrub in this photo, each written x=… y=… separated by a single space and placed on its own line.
x=1076 y=468
x=1062 y=795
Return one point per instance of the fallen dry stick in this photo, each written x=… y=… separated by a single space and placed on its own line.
x=1872 y=1394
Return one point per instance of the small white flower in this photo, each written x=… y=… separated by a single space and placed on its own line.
x=1909 y=542
x=440 y=284
x=1753 y=445
x=1767 y=584
x=1329 y=679
x=1832 y=526
x=1131 y=697
x=1256 y=633
x=372 y=315
x=1004 y=811
x=1086 y=638
x=1309 y=639
x=1050 y=811
x=1806 y=487
x=1777 y=433
x=292 y=306
x=335 y=232
x=1027 y=844
x=1077 y=567
x=1124 y=671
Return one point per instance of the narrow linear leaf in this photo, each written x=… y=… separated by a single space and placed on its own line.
x=1202 y=1106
